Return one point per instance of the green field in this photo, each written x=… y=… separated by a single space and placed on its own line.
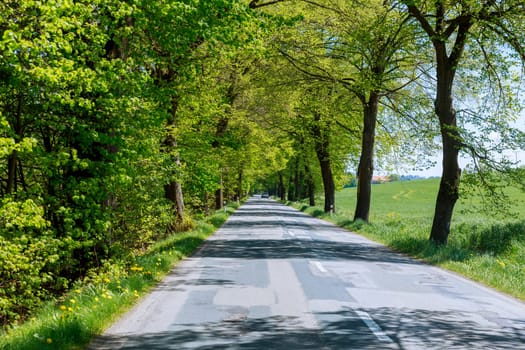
x=485 y=245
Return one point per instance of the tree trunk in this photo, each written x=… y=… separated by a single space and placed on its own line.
x=366 y=162
x=173 y=190
x=219 y=196
x=239 y=185
x=310 y=185
x=12 y=159
x=282 y=192
x=322 y=143
x=298 y=180
x=291 y=191
x=450 y=178
x=328 y=182
x=446 y=65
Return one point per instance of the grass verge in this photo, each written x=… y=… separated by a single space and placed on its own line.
x=481 y=247
x=93 y=305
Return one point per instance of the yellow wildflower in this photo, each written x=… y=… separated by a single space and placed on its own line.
x=49 y=340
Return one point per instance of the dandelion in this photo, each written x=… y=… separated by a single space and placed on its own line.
x=49 y=340
x=70 y=309
x=78 y=291
x=72 y=301
x=63 y=307
x=97 y=299
x=501 y=263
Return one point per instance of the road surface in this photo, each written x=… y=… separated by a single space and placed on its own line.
x=275 y=278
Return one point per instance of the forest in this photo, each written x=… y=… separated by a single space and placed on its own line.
x=121 y=121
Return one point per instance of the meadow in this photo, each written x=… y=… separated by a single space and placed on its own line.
x=485 y=244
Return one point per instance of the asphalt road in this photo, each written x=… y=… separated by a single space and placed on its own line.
x=274 y=278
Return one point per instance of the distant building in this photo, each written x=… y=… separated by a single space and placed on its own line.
x=379 y=179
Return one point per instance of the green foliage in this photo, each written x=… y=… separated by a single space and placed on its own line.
x=25 y=257
x=93 y=303
x=85 y=92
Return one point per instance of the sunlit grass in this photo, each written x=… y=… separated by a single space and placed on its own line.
x=483 y=246
x=90 y=307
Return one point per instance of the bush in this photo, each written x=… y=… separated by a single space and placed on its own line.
x=28 y=253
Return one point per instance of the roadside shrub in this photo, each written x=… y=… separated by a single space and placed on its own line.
x=27 y=254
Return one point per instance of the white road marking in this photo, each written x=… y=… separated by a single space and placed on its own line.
x=319 y=266
x=374 y=327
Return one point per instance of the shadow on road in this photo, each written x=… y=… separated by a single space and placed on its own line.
x=269 y=216
x=408 y=329
x=342 y=329
x=299 y=249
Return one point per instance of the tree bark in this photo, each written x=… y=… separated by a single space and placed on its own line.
x=446 y=67
x=282 y=191
x=173 y=189
x=322 y=143
x=291 y=190
x=366 y=162
x=328 y=182
x=298 y=181
x=310 y=185
x=219 y=196
x=449 y=186
x=12 y=159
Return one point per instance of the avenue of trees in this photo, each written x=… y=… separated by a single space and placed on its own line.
x=120 y=121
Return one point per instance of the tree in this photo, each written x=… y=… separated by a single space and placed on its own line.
x=365 y=47
x=450 y=28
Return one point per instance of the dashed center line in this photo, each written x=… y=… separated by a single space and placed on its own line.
x=374 y=327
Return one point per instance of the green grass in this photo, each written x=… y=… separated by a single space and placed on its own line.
x=485 y=246
x=93 y=305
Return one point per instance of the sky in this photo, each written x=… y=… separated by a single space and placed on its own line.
x=518 y=156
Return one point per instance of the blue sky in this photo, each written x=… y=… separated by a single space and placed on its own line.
x=518 y=156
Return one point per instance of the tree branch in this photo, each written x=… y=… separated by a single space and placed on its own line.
x=293 y=62
x=414 y=11
x=257 y=3
x=459 y=44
